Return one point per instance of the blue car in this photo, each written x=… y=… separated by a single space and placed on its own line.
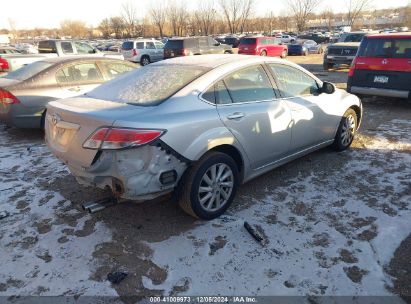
x=305 y=47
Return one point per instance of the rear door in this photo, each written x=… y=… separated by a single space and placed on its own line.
x=79 y=78
x=152 y=51
x=159 y=50
x=248 y=106
x=205 y=47
x=384 y=63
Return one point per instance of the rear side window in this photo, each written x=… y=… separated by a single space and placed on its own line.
x=46 y=47
x=67 y=47
x=387 y=48
x=140 y=45
x=79 y=73
x=248 y=41
x=250 y=84
x=174 y=44
x=149 y=85
x=128 y=45
x=293 y=82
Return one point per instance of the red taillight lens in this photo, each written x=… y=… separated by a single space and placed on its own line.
x=118 y=138
x=7 y=98
x=352 y=68
x=134 y=52
x=184 y=52
x=4 y=64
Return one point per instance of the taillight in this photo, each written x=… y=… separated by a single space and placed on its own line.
x=352 y=68
x=119 y=138
x=7 y=98
x=184 y=52
x=4 y=64
x=134 y=52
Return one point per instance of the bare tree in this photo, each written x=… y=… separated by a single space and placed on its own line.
x=271 y=22
x=355 y=8
x=105 y=28
x=129 y=15
x=328 y=16
x=74 y=28
x=117 y=26
x=301 y=10
x=13 y=28
x=205 y=15
x=285 y=21
x=158 y=14
x=236 y=13
x=178 y=16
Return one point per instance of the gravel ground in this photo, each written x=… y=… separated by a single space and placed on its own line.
x=333 y=224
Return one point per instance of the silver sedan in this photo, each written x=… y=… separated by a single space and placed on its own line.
x=199 y=126
x=24 y=93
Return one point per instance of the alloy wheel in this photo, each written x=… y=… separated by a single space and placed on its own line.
x=348 y=130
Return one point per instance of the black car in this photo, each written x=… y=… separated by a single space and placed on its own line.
x=316 y=37
x=233 y=41
x=176 y=47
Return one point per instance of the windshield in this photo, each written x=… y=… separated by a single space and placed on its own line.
x=248 y=41
x=353 y=38
x=387 y=48
x=28 y=71
x=148 y=85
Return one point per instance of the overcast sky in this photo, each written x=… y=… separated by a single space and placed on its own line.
x=49 y=13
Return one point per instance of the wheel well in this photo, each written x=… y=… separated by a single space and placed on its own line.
x=357 y=111
x=234 y=154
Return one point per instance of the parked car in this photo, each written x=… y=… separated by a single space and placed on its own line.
x=25 y=93
x=199 y=126
x=382 y=66
x=143 y=51
x=8 y=50
x=305 y=47
x=262 y=46
x=340 y=53
x=287 y=39
x=231 y=40
x=52 y=49
x=319 y=38
x=176 y=47
x=352 y=37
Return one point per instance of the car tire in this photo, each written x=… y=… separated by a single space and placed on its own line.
x=227 y=52
x=327 y=65
x=43 y=120
x=263 y=53
x=346 y=131
x=284 y=54
x=145 y=60
x=220 y=193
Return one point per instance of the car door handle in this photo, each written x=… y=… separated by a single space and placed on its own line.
x=236 y=115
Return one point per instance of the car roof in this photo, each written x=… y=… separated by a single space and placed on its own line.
x=75 y=58
x=390 y=35
x=214 y=60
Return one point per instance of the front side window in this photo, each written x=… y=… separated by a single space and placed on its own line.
x=293 y=82
x=249 y=84
x=159 y=45
x=150 y=45
x=79 y=73
x=83 y=48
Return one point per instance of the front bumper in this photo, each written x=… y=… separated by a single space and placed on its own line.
x=135 y=174
x=19 y=116
x=380 y=92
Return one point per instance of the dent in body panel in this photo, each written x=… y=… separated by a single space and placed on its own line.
x=137 y=170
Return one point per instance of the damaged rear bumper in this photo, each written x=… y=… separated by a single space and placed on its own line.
x=141 y=174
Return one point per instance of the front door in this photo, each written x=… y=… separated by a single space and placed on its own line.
x=249 y=108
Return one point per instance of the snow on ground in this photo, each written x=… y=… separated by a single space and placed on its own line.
x=329 y=233
x=46 y=244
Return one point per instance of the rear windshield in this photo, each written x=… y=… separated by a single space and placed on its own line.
x=174 y=44
x=248 y=41
x=387 y=48
x=128 y=45
x=28 y=71
x=148 y=85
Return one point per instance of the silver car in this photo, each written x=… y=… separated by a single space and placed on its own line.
x=143 y=51
x=200 y=126
x=25 y=92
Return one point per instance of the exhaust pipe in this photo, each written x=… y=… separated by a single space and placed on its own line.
x=93 y=207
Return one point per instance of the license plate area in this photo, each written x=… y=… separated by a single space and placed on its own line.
x=381 y=79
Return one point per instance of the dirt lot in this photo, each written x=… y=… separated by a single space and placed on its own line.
x=332 y=223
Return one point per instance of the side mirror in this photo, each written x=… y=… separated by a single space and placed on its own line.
x=328 y=88
x=217 y=44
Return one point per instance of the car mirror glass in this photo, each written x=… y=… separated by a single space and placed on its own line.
x=328 y=88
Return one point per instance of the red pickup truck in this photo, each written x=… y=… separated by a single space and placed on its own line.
x=382 y=66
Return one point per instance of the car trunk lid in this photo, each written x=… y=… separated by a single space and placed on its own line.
x=70 y=122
